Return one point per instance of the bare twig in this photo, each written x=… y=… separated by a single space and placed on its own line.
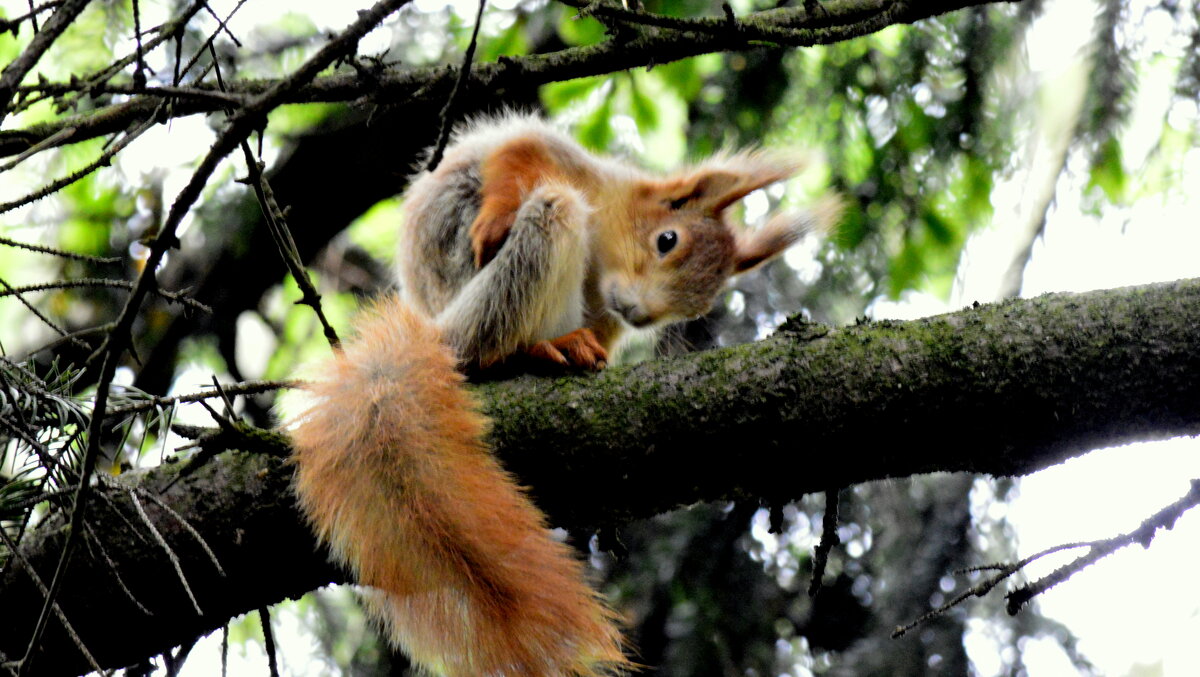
x=187 y=526
x=264 y=617
x=199 y=93
x=75 y=336
x=829 y=538
x=10 y=290
x=162 y=543
x=1143 y=535
x=166 y=32
x=840 y=20
x=139 y=73
x=174 y=661
x=240 y=126
x=208 y=44
x=450 y=111
x=15 y=71
x=14 y=23
x=244 y=388
x=98 y=260
x=1017 y=598
x=222 y=26
x=103 y=160
x=280 y=233
x=277 y=225
x=224 y=649
x=115 y=570
x=58 y=138
x=58 y=612
x=87 y=282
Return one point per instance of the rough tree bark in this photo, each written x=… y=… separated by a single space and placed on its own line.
x=1000 y=389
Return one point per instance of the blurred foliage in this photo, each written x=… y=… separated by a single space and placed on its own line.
x=916 y=126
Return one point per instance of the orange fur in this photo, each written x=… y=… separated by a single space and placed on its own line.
x=579 y=348
x=394 y=476
x=509 y=173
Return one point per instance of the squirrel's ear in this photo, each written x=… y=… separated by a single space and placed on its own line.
x=720 y=182
x=759 y=246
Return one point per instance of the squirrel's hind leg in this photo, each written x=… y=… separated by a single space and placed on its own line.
x=532 y=291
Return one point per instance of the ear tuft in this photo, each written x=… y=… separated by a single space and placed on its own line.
x=759 y=246
x=725 y=179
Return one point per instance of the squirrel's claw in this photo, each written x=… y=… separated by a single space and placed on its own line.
x=579 y=348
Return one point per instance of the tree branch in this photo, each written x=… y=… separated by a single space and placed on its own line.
x=669 y=39
x=1046 y=379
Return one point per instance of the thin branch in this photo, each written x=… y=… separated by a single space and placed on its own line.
x=450 y=111
x=37 y=580
x=198 y=93
x=10 y=290
x=97 y=260
x=187 y=526
x=92 y=282
x=239 y=127
x=1003 y=569
x=281 y=234
x=115 y=570
x=1143 y=535
x=1019 y=597
x=166 y=32
x=829 y=539
x=15 y=71
x=75 y=336
x=103 y=160
x=277 y=225
x=58 y=138
x=244 y=388
x=222 y=26
x=840 y=20
x=139 y=72
x=264 y=617
x=14 y=24
x=208 y=46
x=224 y=649
x=162 y=543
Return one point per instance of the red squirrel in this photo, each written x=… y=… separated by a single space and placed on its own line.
x=520 y=244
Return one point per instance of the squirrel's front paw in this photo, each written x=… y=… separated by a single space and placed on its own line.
x=579 y=348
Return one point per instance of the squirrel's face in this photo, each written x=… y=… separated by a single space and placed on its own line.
x=668 y=249
x=673 y=270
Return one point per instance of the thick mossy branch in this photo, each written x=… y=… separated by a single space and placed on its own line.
x=999 y=389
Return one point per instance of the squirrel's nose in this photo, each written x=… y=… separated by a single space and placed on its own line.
x=633 y=313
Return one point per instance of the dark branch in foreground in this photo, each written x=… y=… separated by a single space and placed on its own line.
x=1026 y=383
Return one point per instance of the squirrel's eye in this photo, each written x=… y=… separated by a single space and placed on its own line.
x=667 y=241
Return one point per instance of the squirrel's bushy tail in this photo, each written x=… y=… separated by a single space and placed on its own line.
x=394 y=476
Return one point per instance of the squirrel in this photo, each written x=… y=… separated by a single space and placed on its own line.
x=521 y=247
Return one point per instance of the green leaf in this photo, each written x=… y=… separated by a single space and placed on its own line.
x=579 y=31
x=557 y=96
x=645 y=110
x=684 y=77
x=1108 y=172
x=511 y=42
x=595 y=131
x=915 y=127
x=906 y=269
